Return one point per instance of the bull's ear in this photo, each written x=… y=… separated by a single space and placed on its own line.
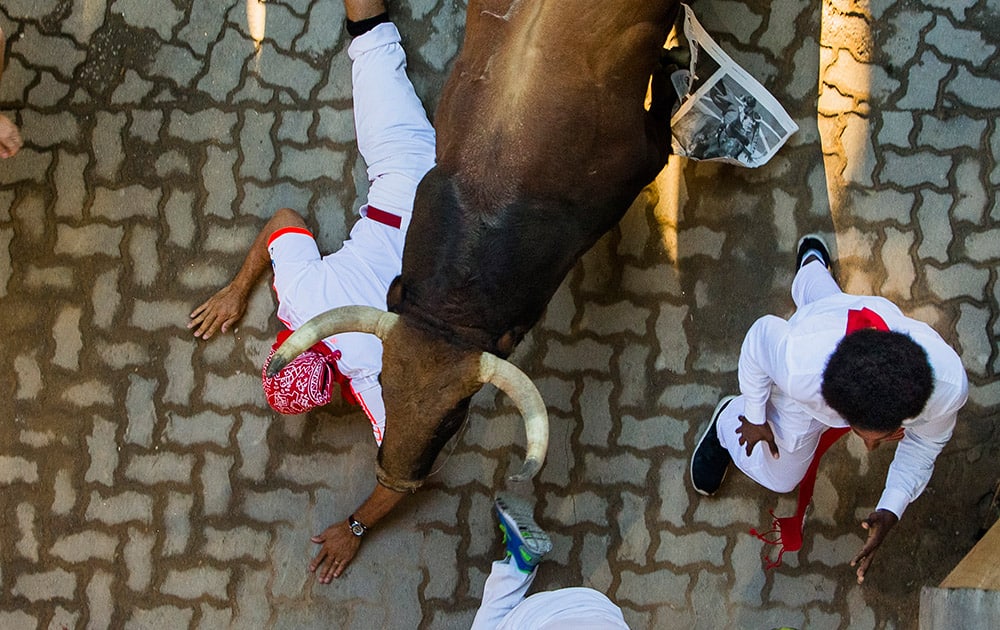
x=507 y=341
x=394 y=297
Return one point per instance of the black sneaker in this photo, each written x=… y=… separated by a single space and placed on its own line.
x=710 y=460
x=812 y=245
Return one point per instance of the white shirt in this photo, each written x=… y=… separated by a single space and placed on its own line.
x=783 y=361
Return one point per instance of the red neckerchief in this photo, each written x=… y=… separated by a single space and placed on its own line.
x=333 y=357
x=786 y=532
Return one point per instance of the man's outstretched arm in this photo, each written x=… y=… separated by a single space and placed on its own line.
x=227 y=306
x=340 y=545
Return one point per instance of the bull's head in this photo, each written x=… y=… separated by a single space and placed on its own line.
x=426 y=386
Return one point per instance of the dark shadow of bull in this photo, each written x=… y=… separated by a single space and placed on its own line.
x=543 y=142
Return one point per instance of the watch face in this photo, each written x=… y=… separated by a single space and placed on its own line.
x=357 y=529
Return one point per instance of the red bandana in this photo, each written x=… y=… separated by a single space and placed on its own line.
x=307 y=381
x=786 y=532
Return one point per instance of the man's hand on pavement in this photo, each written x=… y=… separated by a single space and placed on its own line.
x=878 y=525
x=751 y=433
x=219 y=312
x=338 y=548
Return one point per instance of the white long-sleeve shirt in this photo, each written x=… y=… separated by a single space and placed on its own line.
x=782 y=361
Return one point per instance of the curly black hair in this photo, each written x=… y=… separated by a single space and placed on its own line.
x=876 y=379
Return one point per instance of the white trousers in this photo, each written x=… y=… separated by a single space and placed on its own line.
x=812 y=282
x=504 y=606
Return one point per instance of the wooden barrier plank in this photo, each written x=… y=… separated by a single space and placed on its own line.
x=980 y=568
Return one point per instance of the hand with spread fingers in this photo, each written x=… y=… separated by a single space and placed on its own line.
x=338 y=547
x=750 y=434
x=878 y=525
x=219 y=312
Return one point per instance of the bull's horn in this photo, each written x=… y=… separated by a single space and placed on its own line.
x=366 y=319
x=523 y=392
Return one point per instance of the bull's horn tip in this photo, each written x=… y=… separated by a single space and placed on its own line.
x=274 y=366
x=529 y=469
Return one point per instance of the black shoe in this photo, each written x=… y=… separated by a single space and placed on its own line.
x=812 y=245
x=710 y=460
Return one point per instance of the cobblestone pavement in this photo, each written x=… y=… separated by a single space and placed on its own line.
x=145 y=483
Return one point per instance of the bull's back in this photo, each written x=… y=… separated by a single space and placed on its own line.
x=550 y=93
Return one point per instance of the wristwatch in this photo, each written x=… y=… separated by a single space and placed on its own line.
x=357 y=527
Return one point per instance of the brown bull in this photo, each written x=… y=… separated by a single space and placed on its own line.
x=543 y=142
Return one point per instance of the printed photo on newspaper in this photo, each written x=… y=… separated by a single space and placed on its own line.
x=724 y=114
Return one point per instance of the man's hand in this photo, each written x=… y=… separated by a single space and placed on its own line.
x=751 y=433
x=339 y=546
x=219 y=312
x=10 y=138
x=878 y=525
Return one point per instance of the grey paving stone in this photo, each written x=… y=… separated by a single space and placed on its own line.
x=965 y=45
x=704 y=606
x=932 y=215
x=951 y=132
x=178 y=213
x=214 y=617
x=681 y=550
x=976 y=346
x=916 y=170
x=673 y=343
x=62 y=618
x=286 y=72
x=45 y=585
x=660 y=588
x=216 y=487
x=197 y=583
x=860 y=615
x=132 y=89
x=239 y=542
x=228 y=57
x=896 y=129
x=27 y=544
x=584 y=507
x=275 y=506
x=439 y=552
x=88 y=240
x=973 y=201
x=674 y=496
x=146 y=124
x=141 y=410
x=150 y=316
x=69 y=340
x=748 y=575
x=159 y=617
x=138 y=556
x=176 y=520
x=618 y=469
x=801 y=590
x=957 y=280
x=609 y=319
x=161 y=467
x=834 y=552
x=923 y=83
x=178 y=364
x=103 y=453
x=82 y=546
x=898 y=264
x=203 y=428
x=252 y=608
x=976 y=91
x=124 y=507
x=100 y=604
x=64 y=494
x=290 y=554
x=635 y=534
x=583 y=354
x=981 y=247
x=18 y=620
x=254 y=449
x=122 y=355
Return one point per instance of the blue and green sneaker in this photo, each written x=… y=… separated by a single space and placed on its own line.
x=526 y=542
